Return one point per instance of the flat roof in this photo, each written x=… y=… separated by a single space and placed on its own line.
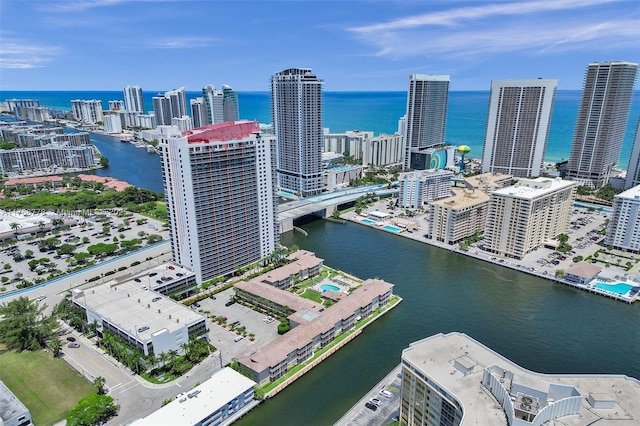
x=129 y=307
x=462 y=198
x=630 y=194
x=435 y=356
x=207 y=398
x=10 y=405
x=495 y=180
x=277 y=350
x=533 y=188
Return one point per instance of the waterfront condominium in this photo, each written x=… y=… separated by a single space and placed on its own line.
x=623 y=231
x=218 y=182
x=296 y=99
x=423 y=186
x=214 y=101
x=602 y=119
x=633 y=170
x=517 y=127
x=89 y=112
x=426 y=114
x=455 y=218
x=133 y=99
x=452 y=379
x=173 y=104
x=230 y=104
x=198 y=112
x=528 y=214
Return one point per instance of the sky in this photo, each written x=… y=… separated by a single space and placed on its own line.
x=351 y=45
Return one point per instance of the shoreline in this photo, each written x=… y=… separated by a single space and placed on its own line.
x=491 y=258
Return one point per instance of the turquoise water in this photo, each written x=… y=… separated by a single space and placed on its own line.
x=620 y=288
x=367 y=221
x=327 y=287
x=379 y=112
x=391 y=228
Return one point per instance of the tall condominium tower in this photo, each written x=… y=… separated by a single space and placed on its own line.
x=602 y=118
x=518 y=126
x=633 y=171
x=623 y=231
x=173 y=104
x=230 y=105
x=213 y=100
x=198 y=112
x=296 y=97
x=87 y=111
x=426 y=113
x=218 y=182
x=133 y=99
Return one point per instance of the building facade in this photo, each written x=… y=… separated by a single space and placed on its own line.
x=296 y=97
x=89 y=112
x=420 y=187
x=518 y=125
x=173 y=104
x=133 y=99
x=112 y=123
x=623 y=231
x=198 y=112
x=455 y=218
x=214 y=104
x=383 y=150
x=426 y=113
x=230 y=104
x=633 y=170
x=218 y=183
x=116 y=105
x=601 y=123
x=524 y=216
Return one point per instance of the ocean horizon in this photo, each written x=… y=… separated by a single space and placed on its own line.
x=380 y=111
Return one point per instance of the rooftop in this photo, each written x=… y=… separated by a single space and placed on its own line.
x=281 y=297
x=232 y=130
x=491 y=180
x=129 y=307
x=462 y=198
x=437 y=355
x=584 y=269
x=631 y=193
x=10 y=405
x=201 y=401
x=301 y=260
x=533 y=188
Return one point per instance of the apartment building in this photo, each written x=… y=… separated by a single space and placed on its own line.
x=524 y=216
x=455 y=218
x=218 y=183
x=633 y=170
x=423 y=186
x=623 y=231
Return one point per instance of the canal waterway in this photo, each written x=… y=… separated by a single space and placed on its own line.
x=542 y=326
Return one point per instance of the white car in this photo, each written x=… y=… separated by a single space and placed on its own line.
x=375 y=401
x=41 y=298
x=386 y=393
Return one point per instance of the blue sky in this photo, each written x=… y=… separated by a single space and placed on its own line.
x=351 y=45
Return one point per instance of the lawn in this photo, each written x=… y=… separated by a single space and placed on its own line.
x=312 y=295
x=47 y=386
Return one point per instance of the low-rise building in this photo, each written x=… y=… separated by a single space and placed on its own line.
x=451 y=379
x=312 y=328
x=12 y=411
x=142 y=318
x=338 y=177
x=455 y=218
x=304 y=265
x=582 y=273
x=211 y=403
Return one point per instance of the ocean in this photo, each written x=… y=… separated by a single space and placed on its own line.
x=380 y=111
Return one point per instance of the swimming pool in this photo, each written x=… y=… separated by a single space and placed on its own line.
x=368 y=221
x=620 y=288
x=392 y=228
x=327 y=287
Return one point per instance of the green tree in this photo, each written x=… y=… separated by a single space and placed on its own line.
x=25 y=326
x=92 y=410
x=55 y=346
x=104 y=161
x=99 y=383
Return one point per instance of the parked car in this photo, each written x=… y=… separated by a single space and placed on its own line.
x=171 y=267
x=137 y=280
x=197 y=305
x=375 y=401
x=153 y=274
x=212 y=297
x=143 y=328
x=71 y=339
x=73 y=345
x=229 y=303
x=155 y=299
x=386 y=394
x=237 y=339
x=371 y=406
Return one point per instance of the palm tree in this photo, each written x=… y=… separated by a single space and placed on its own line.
x=173 y=358
x=15 y=226
x=41 y=224
x=99 y=383
x=187 y=348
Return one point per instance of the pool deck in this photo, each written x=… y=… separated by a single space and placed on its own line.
x=527 y=264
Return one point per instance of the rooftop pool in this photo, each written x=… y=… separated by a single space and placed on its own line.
x=619 y=288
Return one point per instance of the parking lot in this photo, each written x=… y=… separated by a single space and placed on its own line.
x=224 y=339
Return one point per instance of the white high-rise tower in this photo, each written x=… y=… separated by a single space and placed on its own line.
x=133 y=99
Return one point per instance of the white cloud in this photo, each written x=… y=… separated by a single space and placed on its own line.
x=538 y=27
x=76 y=6
x=181 y=43
x=18 y=54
